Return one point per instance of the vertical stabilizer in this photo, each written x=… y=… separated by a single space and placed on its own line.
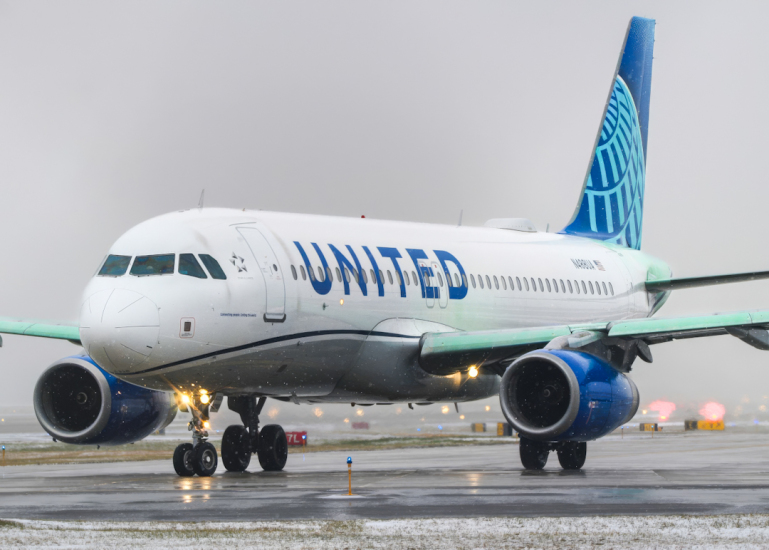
x=611 y=205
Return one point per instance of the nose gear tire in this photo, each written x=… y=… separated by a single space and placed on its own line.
x=572 y=455
x=236 y=448
x=533 y=453
x=204 y=459
x=273 y=448
x=183 y=460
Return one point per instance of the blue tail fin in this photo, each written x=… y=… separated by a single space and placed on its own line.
x=611 y=205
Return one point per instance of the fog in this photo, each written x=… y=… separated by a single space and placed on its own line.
x=111 y=113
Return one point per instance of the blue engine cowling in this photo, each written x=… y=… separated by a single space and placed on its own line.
x=78 y=402
x=564 y=395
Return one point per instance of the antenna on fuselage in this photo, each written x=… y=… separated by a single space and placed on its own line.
x=202 y=196
x=460 y=218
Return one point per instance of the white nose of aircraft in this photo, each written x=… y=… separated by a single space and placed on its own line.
x=119 y=329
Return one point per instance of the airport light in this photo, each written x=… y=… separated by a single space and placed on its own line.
x=473 y=372
x=205 y=399
x=203 y=392
x=341 y=302
x=185 y=399
x=206 y=424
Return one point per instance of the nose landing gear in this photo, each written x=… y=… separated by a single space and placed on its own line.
x=240 y=442
x=198 y=457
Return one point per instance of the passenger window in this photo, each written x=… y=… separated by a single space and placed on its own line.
x=591 y=287
x=541 y=288
x=406 y=278
x=548 y=285
x=448 y=280
x=526 y=282
x=480 y=281
x=584 y=288
x=456 y=280
x=115 y=266
x=571 y=291
x=604 y=289
x=504 y=283
x=611 y=288
x=414 y=276
x=381 y=277
x=188 y=265
x=373 y=276
x=464 y=281
x=398 y=278
x=510 y=280
x=159 y=264
x=321 y=274
x=303 y=272
x=563 y=287
x=347 y=275
x=440 y=279
x=488 y=282
x=390 y=276
x=338 y=275
x=365 y=277
x=472 y=280
x=496 y=282
x=598 y=287
x=331 y=274
x=517 y=280
x=293 y=269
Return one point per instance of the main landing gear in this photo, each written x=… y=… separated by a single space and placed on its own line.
x=240 y=442
x=571 y=454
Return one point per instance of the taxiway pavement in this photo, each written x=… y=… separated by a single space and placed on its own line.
x=685 y=473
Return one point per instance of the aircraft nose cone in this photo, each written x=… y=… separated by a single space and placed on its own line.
x=119 y=329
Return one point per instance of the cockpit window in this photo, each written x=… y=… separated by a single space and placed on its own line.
x=188 y=265
x=115 y=266
x=213 y=267
x=160 y=264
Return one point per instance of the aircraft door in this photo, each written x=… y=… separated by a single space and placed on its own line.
x=442 y=287
x=426 y=275
x=267 y=260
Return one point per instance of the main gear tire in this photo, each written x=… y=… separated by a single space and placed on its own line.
x=236 y=448
x=204 y=459
x=572 y=455
x=533 y=453
x=183 y=460
x=273 y=448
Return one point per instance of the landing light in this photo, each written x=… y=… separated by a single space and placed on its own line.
x=203 y=392
x=185 y=399
x=205 y=399
x=206 y=424
x=473 y=372
x=341 y=302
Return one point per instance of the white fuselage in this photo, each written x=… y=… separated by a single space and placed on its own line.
x=270 y=329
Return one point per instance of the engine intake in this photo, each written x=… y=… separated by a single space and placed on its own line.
x=556 y=395
x=78 y=402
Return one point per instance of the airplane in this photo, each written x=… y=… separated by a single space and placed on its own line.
x=193 y=306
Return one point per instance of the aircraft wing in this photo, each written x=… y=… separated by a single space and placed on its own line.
x=448 y=352
x=708 y=280
x=40 y=329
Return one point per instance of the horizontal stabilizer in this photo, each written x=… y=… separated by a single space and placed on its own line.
x=710 y=280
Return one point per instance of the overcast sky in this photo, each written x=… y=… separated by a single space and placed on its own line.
x=114 y=112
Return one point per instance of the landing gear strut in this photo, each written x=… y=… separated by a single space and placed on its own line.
x=571 y=454
x=240 y=442
x=198 y=457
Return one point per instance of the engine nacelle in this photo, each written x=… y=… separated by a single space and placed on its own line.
x=565 y=395
x=78 y=402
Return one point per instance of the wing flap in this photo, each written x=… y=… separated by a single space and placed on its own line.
x=449 y=352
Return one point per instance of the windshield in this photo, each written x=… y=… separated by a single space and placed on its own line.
x=115 y=266
x=160 y=264
x=188 y=265
x=213 y=267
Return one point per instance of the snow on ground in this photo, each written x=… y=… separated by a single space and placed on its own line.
x=633 y=532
